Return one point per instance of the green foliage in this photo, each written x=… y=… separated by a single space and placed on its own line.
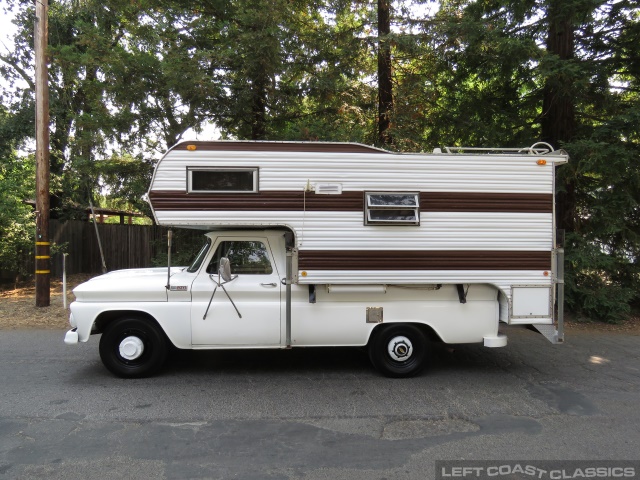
x=605 y=245
x=294 y=71
x=185 y=246
x=596 y=283
x=468 y=78
x=17 y=221
x=126 y=180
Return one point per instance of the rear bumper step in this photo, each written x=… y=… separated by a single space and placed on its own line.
x=499 y=340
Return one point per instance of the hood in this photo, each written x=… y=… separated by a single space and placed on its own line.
x=132 y=285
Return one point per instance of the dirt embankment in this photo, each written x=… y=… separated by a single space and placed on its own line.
x=18 y=306
x=18 y=310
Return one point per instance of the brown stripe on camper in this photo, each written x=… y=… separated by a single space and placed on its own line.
x=422 y=260
x=281 y=147
x=486 y=202
x=262 y=201
x=349 y=201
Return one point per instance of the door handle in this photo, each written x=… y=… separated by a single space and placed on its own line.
x=269 y=284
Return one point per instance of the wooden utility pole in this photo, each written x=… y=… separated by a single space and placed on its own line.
x=43 y=250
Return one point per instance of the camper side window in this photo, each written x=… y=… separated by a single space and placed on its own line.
x=222 y=180
x=385 y=208
x=246 y=257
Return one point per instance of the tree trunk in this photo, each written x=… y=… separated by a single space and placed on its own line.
x=385 y=87
x=558 y=108
x=259 y=106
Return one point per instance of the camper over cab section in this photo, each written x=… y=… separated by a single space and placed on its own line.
x=320 y=244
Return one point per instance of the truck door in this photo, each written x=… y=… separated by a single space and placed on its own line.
x=255 y=290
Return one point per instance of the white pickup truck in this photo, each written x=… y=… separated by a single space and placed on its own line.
x=140 y=316
x=336 y=244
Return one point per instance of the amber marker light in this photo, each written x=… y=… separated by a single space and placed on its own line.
x=303 y=273
x=541 y=162
x=546 y=274
x=191 y=148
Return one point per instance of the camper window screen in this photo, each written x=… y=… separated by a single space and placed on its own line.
x=228 y=180
x=383 y=208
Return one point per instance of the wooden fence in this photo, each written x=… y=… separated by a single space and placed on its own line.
x=124 y=246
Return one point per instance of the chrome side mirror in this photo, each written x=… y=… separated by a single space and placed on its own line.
x=225 y=269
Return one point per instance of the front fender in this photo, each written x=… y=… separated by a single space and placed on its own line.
x=173 y=318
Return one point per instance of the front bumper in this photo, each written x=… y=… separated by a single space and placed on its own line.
x=71 y=337
x=500 y=340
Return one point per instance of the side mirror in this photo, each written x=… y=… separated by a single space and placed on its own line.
x=225 y=269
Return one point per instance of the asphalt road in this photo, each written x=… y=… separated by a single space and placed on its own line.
x=314 y=413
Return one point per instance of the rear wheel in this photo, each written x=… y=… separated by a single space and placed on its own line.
x=133 y=347
x=399 y=350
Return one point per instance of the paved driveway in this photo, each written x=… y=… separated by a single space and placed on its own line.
x=315 y=413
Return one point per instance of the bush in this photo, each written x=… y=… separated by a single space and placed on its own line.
x=597 y=284
x=17 y=220
x=185 y=245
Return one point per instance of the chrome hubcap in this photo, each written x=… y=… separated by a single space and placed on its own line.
x=400 y=349
x=131 y=348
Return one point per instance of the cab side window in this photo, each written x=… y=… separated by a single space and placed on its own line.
x=246 y=257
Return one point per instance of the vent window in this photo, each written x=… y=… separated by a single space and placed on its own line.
x=222 y=180
x=384 y=208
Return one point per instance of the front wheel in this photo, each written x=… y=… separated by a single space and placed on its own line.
x=399 y=351
x=133 y=347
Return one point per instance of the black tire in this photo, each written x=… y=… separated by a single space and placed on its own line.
x=133 y=347
x=399 y=351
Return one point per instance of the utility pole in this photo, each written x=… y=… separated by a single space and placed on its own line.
x=43 y=250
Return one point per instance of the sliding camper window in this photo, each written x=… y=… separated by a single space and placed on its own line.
x=392 y=208
x=222 y=180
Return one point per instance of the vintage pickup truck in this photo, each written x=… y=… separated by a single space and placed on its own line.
x=323 y=244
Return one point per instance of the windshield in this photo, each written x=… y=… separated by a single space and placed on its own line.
x=195 y=265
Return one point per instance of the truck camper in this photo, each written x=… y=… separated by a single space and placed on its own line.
x=337 y=244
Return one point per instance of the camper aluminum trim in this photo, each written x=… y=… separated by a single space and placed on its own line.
x=282 y=146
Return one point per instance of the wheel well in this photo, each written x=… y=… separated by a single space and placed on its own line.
x=428 y=332
x=105 y=318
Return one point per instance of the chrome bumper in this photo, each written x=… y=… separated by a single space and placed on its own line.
x=499 y=340
x=71 y=337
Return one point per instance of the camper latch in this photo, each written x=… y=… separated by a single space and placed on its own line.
x=462 y=295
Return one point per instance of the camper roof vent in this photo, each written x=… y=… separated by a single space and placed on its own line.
x=328 y=188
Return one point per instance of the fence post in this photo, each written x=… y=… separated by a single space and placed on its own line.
x=64 y=280
x=93 y=214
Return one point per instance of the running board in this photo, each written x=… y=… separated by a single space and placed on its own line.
x=549 y=332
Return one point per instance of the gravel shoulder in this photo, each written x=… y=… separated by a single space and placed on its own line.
x=18 y=311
